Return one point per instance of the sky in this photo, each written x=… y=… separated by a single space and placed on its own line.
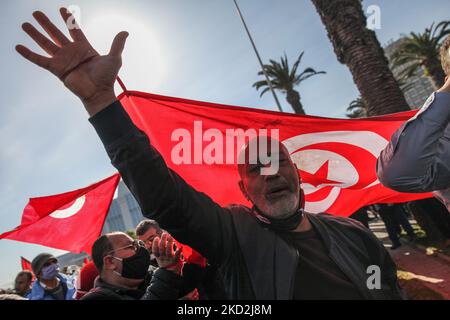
x=195 y=49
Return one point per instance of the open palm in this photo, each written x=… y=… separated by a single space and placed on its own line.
x=83 y=71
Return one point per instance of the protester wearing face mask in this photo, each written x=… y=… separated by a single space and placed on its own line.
x=50 y=283
x=123 y=265
x=199 y=281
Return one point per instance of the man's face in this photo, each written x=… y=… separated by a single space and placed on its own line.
x=22 y=284
x=276 y=195
x=41 y=274
x=148 y=238
x=123 y=247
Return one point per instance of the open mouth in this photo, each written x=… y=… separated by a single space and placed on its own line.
x=277 y=192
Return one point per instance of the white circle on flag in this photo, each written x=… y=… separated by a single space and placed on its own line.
x=341 y=169
x=70 y=211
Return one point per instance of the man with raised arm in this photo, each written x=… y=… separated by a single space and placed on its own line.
x=273 y=250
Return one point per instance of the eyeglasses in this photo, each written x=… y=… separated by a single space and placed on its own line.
x=135 y=245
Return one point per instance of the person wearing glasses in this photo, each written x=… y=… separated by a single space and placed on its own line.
x=200 y=282
x=123 y=265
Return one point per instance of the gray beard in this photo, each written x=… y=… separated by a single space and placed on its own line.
x=282 y=208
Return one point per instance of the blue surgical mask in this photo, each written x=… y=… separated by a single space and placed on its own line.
x=50 y=272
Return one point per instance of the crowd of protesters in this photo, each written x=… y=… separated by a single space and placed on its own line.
x=150 y=267
x=394 y=217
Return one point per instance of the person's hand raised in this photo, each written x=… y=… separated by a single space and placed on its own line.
x=76 y=63
x=166 y=253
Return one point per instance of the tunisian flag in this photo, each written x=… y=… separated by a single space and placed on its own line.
x=26 y=265
x=69 y=221
x=336 y=157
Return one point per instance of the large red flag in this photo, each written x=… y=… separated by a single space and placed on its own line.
x=70 y=221
x=336 y=157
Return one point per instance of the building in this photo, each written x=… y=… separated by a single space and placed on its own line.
x=420 y=86
x=70 y=259
x=124 y=213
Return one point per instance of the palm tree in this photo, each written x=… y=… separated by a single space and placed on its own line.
x=357 y=109
x=421 y=50
x=358 y=47
x=285 y=79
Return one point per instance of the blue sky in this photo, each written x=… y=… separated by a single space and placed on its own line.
x=195 y=49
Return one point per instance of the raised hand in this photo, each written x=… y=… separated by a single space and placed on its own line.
x=166 y=255
x=76 y=63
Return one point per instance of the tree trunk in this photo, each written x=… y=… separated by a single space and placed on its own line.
x=358 y=48
x=293 y=97
x=436 y=74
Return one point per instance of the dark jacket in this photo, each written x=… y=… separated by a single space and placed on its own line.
x=158 y=285
x=255 y=262
x=206 y=279
x=417 y=159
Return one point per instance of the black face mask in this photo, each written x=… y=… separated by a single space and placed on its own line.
x=282 y=225
x=136 y=267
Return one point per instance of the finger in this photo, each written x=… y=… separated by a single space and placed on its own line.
x=40 y=39
x=169 y=247
x=163 y=244
x=72 y=25
x=57 y=36
x=118 y=44
x=155 y=247
x=37 y=59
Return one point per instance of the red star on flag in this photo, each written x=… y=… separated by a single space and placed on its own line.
x=319 y=177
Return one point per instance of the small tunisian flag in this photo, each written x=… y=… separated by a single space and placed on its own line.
x=336 y=157
x=190 y=255
x=26 y=265
x=70 y=221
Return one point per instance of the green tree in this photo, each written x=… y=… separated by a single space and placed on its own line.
x=357 y=109
x=358 y=47
x=421 y=50
x=131 y=233
x=285 y=79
